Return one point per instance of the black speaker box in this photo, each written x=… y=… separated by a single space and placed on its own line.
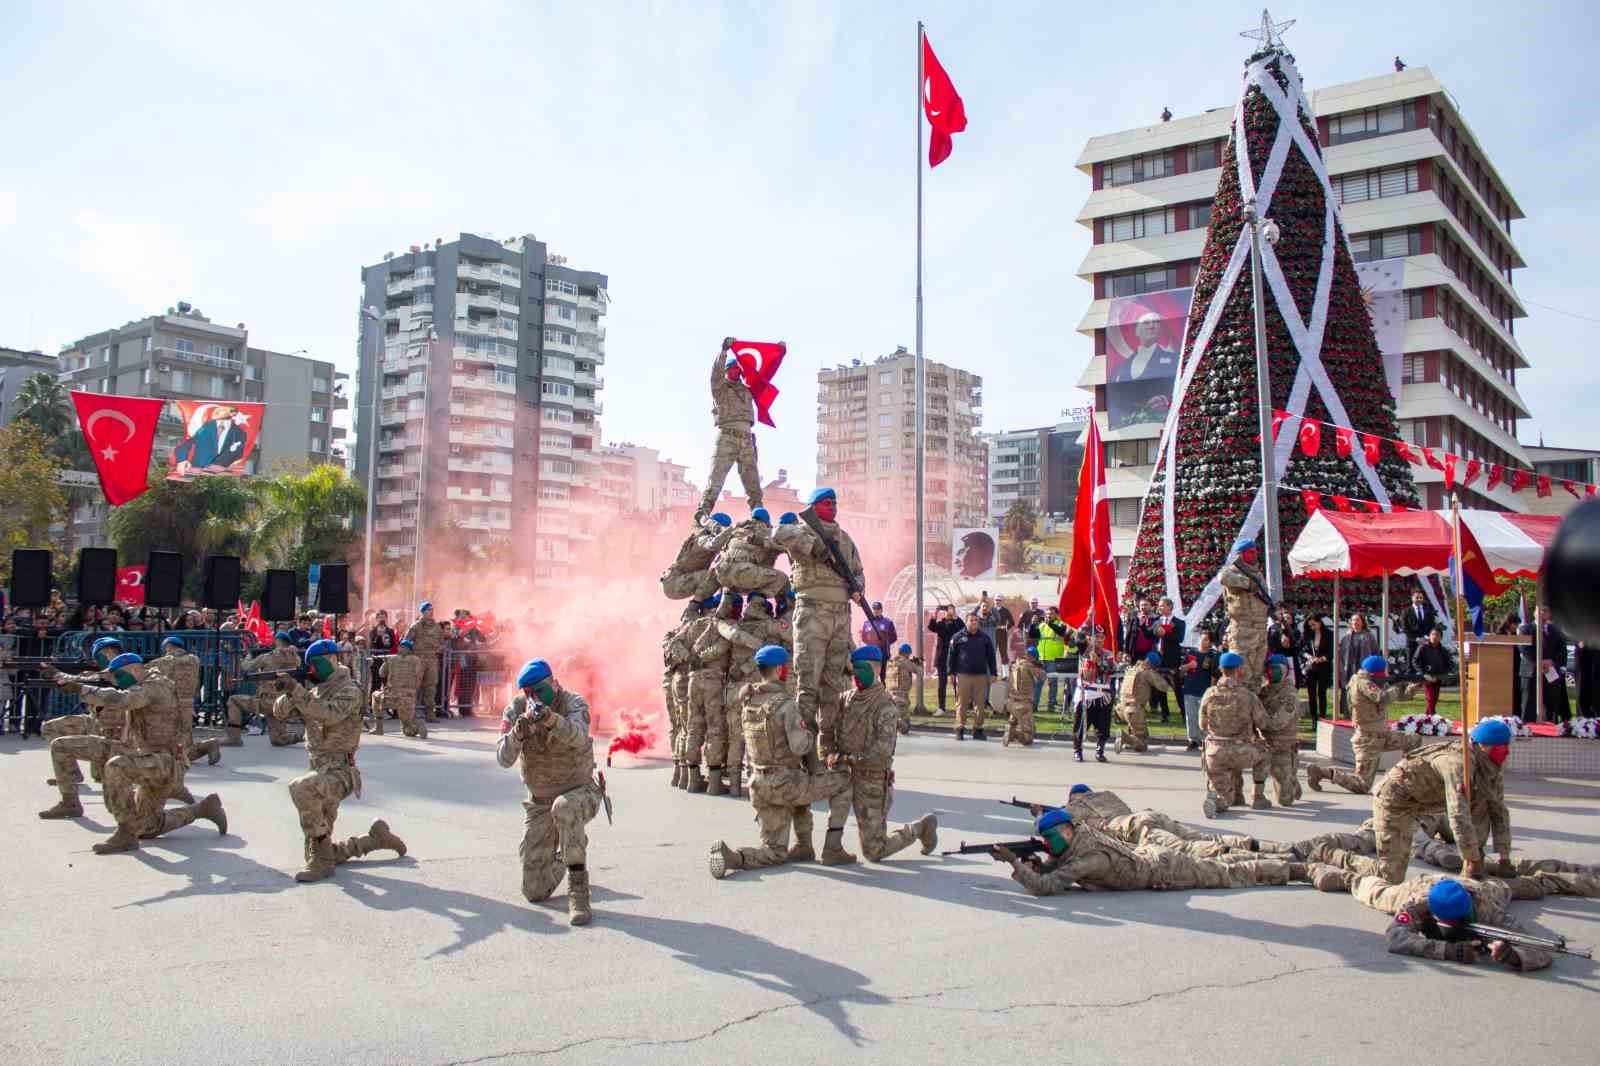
x=97 y=576
x=222 y=582
x=30 y=578
x=277 y=596
x=163 y=580
x=333 y=591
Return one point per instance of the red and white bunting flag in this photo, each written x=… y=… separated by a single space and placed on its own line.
x=1310 y=437
x=1497 y=474
x=1371 y=445
x=1543 y=486
x=1312 y=500
x=1520 y=479
x=1342 y=503
x=1449 y=468
x=1344 y=441
x=1474 y=468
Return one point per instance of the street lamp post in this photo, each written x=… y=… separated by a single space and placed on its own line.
x=371 y=315
x=1265 y=229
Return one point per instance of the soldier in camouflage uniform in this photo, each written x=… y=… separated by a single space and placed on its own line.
x=427 y=640
x=281 y=656
x=1420 y=906
x=708 y=686
x=746 y=563
x=755 y=630
x=1086 y=857
x=1369 y=698
x=400 y=674
x=182 y=668
x=1246 y=603
x=822 y=639
x=696 y=718
x=900 y=678
x=1137 y=684
x=1281 y=730
x=1232 y=718
x=734 y=410
x=1025 y=674
x=675 y=656
x=781 y=790
x=140 y=777
x=862 y=736
x=1105 y=811
x=547 y=727
x=78 y=725
x=331 y=709
x=690 y=576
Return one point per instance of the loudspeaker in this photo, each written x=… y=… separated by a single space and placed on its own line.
x=97 y=576
x=30 y=577
x=333 y=592
x=163 y=580
x=222 y=583
x=1572 y=566
x=277 y=596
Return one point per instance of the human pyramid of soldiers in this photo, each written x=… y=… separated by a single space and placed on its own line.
x=826 y=730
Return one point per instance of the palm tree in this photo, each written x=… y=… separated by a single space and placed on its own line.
x=43 y=403
x=306 y=516
x=206 y=516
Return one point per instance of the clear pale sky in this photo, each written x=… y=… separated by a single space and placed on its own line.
x=744 y=169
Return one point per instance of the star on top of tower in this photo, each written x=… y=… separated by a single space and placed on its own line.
x=1270 y=33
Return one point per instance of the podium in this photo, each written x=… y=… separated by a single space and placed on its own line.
x=1489 y=677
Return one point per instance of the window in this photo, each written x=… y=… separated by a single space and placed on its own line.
x=1136 y=168
x=563 y=311
x=1375 y=184
x=1199 y=216
x=556 y=466
x=886 y=377
x=557 y=285
x=505 y=377
x=180 y=381
x=1414 y=306
x=558 y=364
x=885 y=399
x=319 y=384
x=146 y=375
x=1125 y=512
x=1132 y=452
x=1141 y=224
x=885 y=420
x=216 y=387
x=1413 y=369
x=555 y=414
x=1135 y=282
x=555 y=388
x=885 y=440
x=149 y=343
x=1374 y=122
x=1203 y=156
x=317 y=446
x=885 y=462
x=319 y=414
x=559 y=336
x=105 y=355
x=183 y=345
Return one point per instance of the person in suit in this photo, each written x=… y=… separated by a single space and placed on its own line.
x=1316 y=651
x=219 y=442
x=1416 y=622
x=1283 y=640
x=1169 y=632
x=1537 y=673
x=1151 y=360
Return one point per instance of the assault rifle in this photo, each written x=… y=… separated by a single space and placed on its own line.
x=298 y=673
x=1031 y=808
x=1020 y=848
x=1486 y=933
x=44 y=663
x=858 y=592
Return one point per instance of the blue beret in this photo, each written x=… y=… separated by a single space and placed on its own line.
x=1230 y=659
x=1153 y=658
x=427 y=605
x=1375 y=664
x=407 y=644
x=1242 y=545
x=1279 y=660
x=1053 y=817
x=283 y=635
x=721 y=519
x=103 y=643
x=867 y=653
x=760 y=515
x=771 y=655
x=1449 y=901
x=533 y=671
x=711 y=601
x=1079 y=790
x=905 y=648
x=788 y=518
x=818 y=495
x=177 y=641
x=1491 y=733
x=127 y=658
x=1033 y=650
x=321 y=648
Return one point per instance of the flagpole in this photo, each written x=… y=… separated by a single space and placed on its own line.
x=920 y=381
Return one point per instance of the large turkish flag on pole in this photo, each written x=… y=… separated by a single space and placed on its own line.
x=120 y=432
x=1091 y=592
x=758 y=365
x=942 y=104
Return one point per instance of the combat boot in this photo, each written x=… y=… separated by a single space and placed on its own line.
x=928 y=833
x=211 y=750
x=736 y=782
x=320 y=861
x=961 y=732
x=979 y=734
x=1331 y=878
x=121 y=840
x=234 y=738
x=833 y=853
x=381 y=838
x=1209 y=805
x=715 y=786
x=287 y=740
x=578 y=912
x=211 y=810
x=377 y=724
x=697 y=782
x=182 y=794
x=1300 y=871
x=1258 y=798
x=677 y=775
x=67 y=808
x=1118 y=746
x=723 y=860
x=802 y=850
x=422 y=730
x=1314 y=777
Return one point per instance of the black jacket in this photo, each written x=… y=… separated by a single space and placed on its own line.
x=944 y=629
x=1416 y=628
x=1433 y=660
x=972 y=653
x=1555 y=645
x=1314 y=647
x=1171 y=645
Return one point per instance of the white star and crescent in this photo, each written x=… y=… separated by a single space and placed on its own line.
x=927 y=95
x=109 y=453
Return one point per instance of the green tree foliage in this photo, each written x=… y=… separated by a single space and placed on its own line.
x=1497 y=609
x=206 y=516
x=43 y=403
x=34 y=499
x=305 y=516
x=1016 y=530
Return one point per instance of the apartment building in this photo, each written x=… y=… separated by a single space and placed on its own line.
x=17 y=366
x=1581 y=466
x=866 y=447
x=1036 y=466
x=481 y=370
x=1422 y=204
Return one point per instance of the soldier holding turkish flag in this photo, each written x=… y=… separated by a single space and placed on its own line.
x=741 y=385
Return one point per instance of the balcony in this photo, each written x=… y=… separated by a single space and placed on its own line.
x=395 y=525
x=216 y=362
x=484 y=411
x=558 y=477
x=586 y=403
x=589 y=378
x=392 y=497
x=481 y=438
x=499 y=273
x=398 y=551
x=400 y=442
x=551 y=421
x=550 y=447
x=482 y=384
x=456 y=492
x=478 y=466
x=553 y=345
x=475 y=355
x=397 y=470
x=485 y=524
x=396 y=417
x=591 y=303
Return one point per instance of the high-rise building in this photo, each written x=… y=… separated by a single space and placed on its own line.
x=183 y=355
x=1036 y=466
x=486 y=386
x=641 y=482
x=866 y=446
x=1417 y=191
x=17 y=366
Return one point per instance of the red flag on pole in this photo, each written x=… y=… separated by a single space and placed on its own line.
x=942 y=104
x=120 y=432
x=758 y=365
x=1092 y=575
x=130 y=585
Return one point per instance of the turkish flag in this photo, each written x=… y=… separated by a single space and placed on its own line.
x=1397 y=508
x=1474 y=468
x=1344 y=441
x=1431 y=460
x=120 y=432
x=1403 y=450
x=1372 y=447
x=1449 y=468
x=1312 y=500
x=1497 y=474
x=1090 y=595
x=942 y=104
x=130 y=585
x=1342 y=503
x=1277 y=420
x=1310 y=437
x=1520 y=479
x=1542 y=489
x=1372 y=506
x=758 y=365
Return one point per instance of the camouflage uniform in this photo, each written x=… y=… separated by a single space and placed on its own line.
x=708 y=694
x=1137 y=683
x=427 y=640
x=1415 y=932
x=558 y=768
x=1107 y=812
x=80 y=725
x=400 y=674
x=1244 y=601
x=899 y=677
x=1231 y=716
x=863 y=733
x=1281 y=732
x=745 y=565
x=1429 y=781
x=675 y=655
x=183 y=669
x=734 y=410
x=822 y=638
x=93 y=738
x=240 y=707
x=1370 y=700
x=781 y=791
x=690 y=576
x=1097 y=862
x=755 y=629
x=1024 y=675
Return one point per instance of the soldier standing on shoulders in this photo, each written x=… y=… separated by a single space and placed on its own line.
x=1232 y=718
x=547 y=727
x=690 y=576
x=399 y=673
x=734 y=410
x=1369 y=697
x=331 y=710
x=427 y=640
x=1246 y=602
